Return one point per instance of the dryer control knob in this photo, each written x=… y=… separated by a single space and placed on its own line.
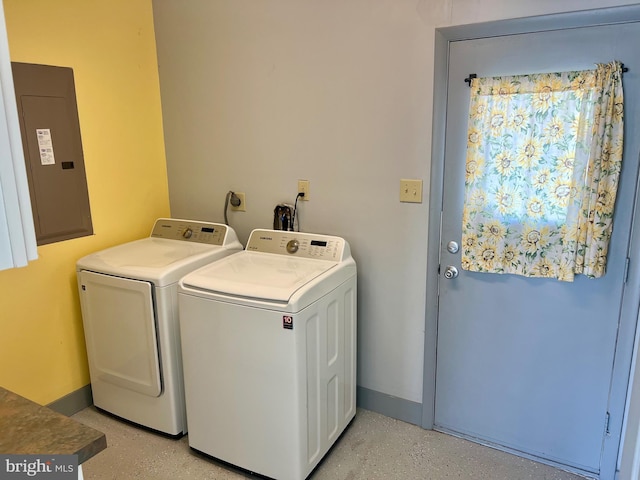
x=187 y=233
x=292 y=246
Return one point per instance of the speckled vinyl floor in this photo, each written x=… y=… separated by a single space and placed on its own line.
x=373 y=447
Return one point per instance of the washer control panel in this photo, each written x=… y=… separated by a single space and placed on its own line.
x=306 y=245
x=190 y=231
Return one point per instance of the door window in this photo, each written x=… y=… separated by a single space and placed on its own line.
x=543 y=158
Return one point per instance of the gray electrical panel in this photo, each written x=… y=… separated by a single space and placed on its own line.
x=53 y=151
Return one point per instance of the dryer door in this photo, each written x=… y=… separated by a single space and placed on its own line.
x=120 y=331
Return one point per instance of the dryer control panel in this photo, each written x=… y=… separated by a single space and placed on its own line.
x=305 y=245
x=190 y=231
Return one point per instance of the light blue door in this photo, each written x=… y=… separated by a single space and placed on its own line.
x=526 y=364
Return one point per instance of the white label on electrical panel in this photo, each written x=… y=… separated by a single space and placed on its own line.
x=45 y=146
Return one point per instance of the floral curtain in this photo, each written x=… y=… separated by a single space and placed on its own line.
x=544 y=153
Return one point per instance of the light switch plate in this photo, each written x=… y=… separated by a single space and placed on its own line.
x=411 y=191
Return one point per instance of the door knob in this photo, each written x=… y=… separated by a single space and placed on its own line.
x=450 y=272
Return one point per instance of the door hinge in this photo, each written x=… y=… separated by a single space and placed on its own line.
x=626 y=269
x=607 y=419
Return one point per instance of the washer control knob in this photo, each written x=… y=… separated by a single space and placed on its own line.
x=292 y=246
x=450 y=272
x=187 y=233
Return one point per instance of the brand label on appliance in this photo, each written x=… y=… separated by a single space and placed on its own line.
x=287 y=322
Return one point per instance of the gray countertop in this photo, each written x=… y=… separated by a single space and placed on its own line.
x=28 y=428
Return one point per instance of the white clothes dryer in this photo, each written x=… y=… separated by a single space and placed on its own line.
x=129 y=301
x=269 y=344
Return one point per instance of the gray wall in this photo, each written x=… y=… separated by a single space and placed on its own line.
x=257 y=95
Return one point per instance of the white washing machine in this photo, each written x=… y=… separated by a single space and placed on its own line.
x=269 y=344
x=129 y=300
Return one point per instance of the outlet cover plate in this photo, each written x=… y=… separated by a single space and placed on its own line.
x=303 y=186
x=243 y=206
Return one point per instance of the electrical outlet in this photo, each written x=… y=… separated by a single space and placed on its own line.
x=243 y=206
x=411 y=191
x=303 y=187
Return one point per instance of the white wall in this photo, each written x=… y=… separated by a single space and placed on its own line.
x=259 y=94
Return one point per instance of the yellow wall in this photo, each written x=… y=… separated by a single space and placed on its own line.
x=111 y=47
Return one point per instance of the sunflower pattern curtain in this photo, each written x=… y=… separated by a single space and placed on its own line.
x=544 y=153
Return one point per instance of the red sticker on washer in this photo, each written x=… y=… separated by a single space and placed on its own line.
x=287 y=322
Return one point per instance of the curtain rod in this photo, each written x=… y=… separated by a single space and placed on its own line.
x=474 y=75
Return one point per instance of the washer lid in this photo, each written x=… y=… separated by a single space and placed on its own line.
x=157 y=260
x=257 y=275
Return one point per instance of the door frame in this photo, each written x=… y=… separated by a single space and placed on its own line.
x=621 y=387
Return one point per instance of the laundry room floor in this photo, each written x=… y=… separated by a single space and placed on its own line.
x=373 y=447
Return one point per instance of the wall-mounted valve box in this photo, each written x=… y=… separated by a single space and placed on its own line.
x=52 y=145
